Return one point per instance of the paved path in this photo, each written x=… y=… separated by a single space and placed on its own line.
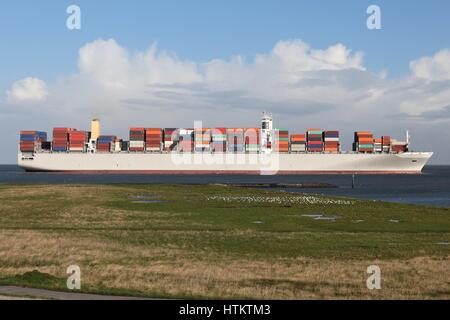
x=11 y=292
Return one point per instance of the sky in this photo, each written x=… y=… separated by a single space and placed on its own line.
x=168 y=63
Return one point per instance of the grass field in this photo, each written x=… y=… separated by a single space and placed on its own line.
x=215 y=241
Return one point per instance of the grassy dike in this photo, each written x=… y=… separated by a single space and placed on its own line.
x=214 y=241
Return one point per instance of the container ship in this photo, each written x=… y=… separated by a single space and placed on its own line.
x=260 y=150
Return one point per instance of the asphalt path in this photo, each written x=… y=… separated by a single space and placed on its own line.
x=20 y=293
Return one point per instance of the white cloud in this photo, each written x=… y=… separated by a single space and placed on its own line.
x=433 y=68
x=111 y=80
x=110 y=66
x=27 y=90
x=302 y=86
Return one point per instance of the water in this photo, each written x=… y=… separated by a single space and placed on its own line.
x=430 y=188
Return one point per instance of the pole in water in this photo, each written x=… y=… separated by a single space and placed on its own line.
x=353 y=181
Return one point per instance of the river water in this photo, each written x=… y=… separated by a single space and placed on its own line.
x=430 y=188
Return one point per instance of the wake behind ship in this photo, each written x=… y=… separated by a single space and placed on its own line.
x=262 y=150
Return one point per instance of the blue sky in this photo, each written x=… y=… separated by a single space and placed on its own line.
x=36 y=43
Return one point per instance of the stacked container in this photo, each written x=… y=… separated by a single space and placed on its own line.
x=106 y=143
x=153 y=139
x=314 y=140
x=219 y=139
x=137 y=139
x=331 y=141
x=77 y=141
x=185 y=140
x=252 y=139
x=399 y=146
x=170 y=139
x=386 y=143
x=202 y=139
x=235 y=139
x=378 y=145
x=30 y=141
x=363 y=142
x=281 y=140
x=61 y=138
x=298 y=142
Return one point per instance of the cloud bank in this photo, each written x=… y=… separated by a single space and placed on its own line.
x=27 y=90
x=302 y=86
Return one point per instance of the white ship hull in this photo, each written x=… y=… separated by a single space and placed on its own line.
x=225 y=163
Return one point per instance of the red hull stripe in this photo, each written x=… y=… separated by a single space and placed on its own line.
x=213 y=172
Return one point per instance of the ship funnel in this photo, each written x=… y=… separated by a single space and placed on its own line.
x=95 y=129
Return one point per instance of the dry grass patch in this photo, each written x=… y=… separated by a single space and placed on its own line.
x=172 y=272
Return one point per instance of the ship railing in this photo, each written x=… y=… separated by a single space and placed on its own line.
x=220 y=152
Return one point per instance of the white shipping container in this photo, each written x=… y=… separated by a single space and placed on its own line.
x=298 y=148
x=332 y=139
x=398 y=142
x=136 y=144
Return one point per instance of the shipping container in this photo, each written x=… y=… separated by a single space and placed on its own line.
x=153 y=139
x=235 y=140
x=77 y=141
x=31 y=140
x=364 y=142
x=252 y=138
x=61 y=139
x=202 y=139
x=171 y=137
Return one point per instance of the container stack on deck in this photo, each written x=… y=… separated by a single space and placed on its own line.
x=202 y=139
x=77 y=141
x=377 y=145
x=170 y=138
x=153 y=139
x=363 y=142
x=206 y=140
x=137 y=140
x=252 y=138
x=331 y=141
x=314 y=140
x=235 y=139
x=399 y=146
x=386 y=143
x=281 y=140
x=30 y=141
x=61 y=139
x=185 y=140
x=106 y=143
x=219 y=139
x=298 y=142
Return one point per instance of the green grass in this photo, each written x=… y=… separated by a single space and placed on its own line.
x=212 y=231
